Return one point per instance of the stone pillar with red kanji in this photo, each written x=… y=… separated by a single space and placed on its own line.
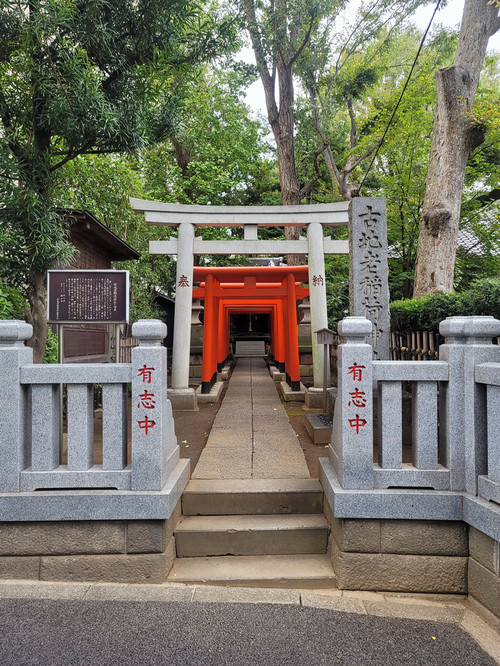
x=317 y=296
x=351 y=446
x=154 y=445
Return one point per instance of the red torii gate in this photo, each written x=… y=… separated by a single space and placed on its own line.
x=271 y=289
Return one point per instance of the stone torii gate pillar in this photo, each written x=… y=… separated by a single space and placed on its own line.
x=181 y=396
x=319 y=316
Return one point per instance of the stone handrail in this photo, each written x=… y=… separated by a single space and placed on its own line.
x=31 y=438
x=489 y=483
x=453 y=472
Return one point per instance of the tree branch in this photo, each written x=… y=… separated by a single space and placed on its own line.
x=362 y=157
x=304 y=41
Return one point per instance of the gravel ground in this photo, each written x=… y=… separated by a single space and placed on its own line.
x=66 y=633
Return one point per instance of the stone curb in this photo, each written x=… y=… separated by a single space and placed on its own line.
x=453 y=609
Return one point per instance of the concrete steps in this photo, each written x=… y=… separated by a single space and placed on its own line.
x=290 y=571
x=253 y=532
x=252 y=496
x=293 y=534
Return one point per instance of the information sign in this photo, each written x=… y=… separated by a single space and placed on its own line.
x=77 y=296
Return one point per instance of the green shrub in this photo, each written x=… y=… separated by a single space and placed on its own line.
x=13 y=305
x=12 y=302
x=426 y=313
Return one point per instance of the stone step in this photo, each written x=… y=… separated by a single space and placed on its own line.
x=292 y=571
x=250 y=348
x=252 y=496
x=293 y=534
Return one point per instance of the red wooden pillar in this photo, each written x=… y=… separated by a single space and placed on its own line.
x=209 y=363
x=222 y=350
x=280 y=337
x=286 y=336
x=293 y=369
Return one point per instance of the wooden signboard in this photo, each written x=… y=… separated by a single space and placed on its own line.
x=77 y=296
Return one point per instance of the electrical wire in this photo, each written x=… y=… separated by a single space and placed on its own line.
x=401 y=96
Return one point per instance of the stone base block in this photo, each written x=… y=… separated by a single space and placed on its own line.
x=215 y=394
x=314 y=398
x=276 y=375
x=484 y=570
x=400 y=573
x=292 y=396
x=143 y=568
x=121 y=551
x=317 y=427
x=226 y=372
x=399 y=555
x=484 y=586
x=183 y=400
x=400 y=537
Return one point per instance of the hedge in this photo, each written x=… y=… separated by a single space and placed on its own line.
x=426 y=313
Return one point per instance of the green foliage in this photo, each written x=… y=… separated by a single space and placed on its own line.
x=103 y=184
x=425 y=314
x=13 y=305
x=12 y=302
x=51 y=348
x=217 y=153
x=337 y=280
x=83 y=77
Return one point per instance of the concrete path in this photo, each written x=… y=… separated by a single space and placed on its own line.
x=251 y=437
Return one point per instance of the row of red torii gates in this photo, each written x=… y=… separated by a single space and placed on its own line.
x=272 y=290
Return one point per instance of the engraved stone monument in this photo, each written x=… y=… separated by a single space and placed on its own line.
x=368 y=272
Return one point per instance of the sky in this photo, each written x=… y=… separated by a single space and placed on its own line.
x=449 y=16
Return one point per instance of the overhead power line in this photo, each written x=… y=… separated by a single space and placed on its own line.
x=402 y=93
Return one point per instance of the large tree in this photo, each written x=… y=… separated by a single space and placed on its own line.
x=455 y=136
x=309 y=37
x=217 y=153
x=76 y=77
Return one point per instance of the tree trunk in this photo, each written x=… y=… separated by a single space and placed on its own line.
x=37 y=296
x=280 y=116
x=454 y=138
x=283 y=130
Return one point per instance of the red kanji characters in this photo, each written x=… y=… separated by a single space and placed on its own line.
x=317 y=280
x=357 y=398
x=146 y=424
x=146 y=400
x=183 y=281
x=357 y=423
x=145 y=374
x=356 y=371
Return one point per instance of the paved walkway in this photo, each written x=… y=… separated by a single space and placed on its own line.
x=251 y=437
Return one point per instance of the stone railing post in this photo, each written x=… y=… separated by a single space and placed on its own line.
x=154 y=444
x=14 y=418
x=351 y=447
x=463 y=432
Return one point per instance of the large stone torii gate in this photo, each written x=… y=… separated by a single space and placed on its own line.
x=367 y=247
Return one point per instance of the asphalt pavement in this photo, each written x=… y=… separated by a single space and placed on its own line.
x=66 y=625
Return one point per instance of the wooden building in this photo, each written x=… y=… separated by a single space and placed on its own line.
x=97 y=247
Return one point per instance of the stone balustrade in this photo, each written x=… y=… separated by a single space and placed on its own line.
x=436 y=460
x=140 y=455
